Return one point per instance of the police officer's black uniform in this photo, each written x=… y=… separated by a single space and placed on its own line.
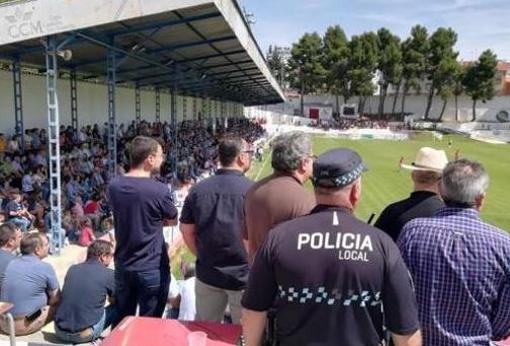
x=332 y=274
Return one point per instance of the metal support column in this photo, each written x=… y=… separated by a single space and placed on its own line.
x=138 y=105
x=195 y=109
x=74 y=101
x=173 y=110
x=158 y=105
x=18 y=102
x=53 y=145
x=184 y=107
x=112 y=126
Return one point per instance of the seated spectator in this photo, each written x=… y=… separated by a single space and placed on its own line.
x=82 y=316
x=31 y=285
x=17 y=213
x=10 y=237
x=86 y=232
x=108 y=231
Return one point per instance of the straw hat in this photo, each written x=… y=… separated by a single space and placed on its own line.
x=428 y=159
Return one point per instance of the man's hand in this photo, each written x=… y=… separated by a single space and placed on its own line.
x=253 y=323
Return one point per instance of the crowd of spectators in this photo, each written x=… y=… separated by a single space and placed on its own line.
x=24 y=183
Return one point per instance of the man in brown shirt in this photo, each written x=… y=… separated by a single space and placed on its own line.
x=281 y=196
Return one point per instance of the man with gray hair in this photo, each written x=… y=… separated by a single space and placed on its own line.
x=280 y=196
x=460 y=264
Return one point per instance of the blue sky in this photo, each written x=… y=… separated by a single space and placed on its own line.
x=480 y=24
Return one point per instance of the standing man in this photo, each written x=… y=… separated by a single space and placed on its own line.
x=460 y=264
x=31 y=285
x=332 y=275
x=281 y=196
x=424 y=200
x=81 y=316
x=211 y=223
x=141 y=207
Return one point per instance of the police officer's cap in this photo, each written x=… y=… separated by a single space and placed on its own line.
x=337 y=168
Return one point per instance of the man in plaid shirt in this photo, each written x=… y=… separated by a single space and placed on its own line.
x=460 y=265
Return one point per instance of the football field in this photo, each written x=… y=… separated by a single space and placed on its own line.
x=385 y=183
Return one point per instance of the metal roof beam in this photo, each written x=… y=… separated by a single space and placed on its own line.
x=190 y=44
x=146 y=79
x=163 y=24
x=177 y=62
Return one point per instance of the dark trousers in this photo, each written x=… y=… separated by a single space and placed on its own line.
x=148 y=289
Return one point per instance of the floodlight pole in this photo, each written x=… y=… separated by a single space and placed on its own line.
x=74 y=101
x=18 y=102
x=112 y=126
x=53 y=143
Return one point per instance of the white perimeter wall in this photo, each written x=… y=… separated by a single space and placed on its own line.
x=416 y=104
x=92 y=104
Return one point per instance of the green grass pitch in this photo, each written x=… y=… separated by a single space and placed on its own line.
x=384 y=183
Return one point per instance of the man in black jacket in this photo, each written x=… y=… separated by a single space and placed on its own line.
x=424 y=201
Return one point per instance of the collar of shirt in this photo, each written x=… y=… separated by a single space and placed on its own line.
x=30 y=257
x=469 y=213
x=228 y=171
x=324 y=207
x=417 y=194
x=285 y=174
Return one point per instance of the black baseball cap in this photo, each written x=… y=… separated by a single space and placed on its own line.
x=337 y=168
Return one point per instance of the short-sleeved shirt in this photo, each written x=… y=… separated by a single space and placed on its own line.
x=277 y=198
x=215 y=207
x=396 y=215
x=5 y=258
x=140 y=205
x=86 y=236
x=86 y=287
x=12 y=206
x=26 y=284
x=332 y=275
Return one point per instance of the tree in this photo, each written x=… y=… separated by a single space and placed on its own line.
x=335 y=61
x=458 y=88
x=362 y=65
x=277 y=64
x=441 y=49
x=447 y=71
x=390 y=63
x=305 y=65
x=414 y=55
x=479 y=79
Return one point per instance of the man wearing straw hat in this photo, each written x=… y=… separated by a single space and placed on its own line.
x=424 y=201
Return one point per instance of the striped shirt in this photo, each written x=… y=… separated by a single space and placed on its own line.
x=461 y=269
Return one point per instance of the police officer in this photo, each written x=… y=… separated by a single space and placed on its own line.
x=332 y=275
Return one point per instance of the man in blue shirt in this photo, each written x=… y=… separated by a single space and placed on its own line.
x=81 y=316
x=141 y=207
x=211 y=221
x=460 y=264
x=31 y=285
x=10 y=237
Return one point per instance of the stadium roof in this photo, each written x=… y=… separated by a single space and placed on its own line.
x=200 y=47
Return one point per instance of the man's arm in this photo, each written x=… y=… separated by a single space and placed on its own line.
x=253 y=323
x=188 y=231
x=407 y=340
x=53 y=297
